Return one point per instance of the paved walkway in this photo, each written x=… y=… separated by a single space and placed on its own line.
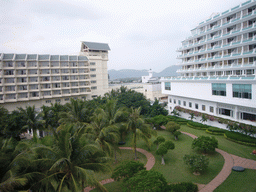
x=230 y=161
x=150 y=163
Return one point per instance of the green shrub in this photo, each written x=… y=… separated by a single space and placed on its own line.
x=197 y=163
x=196 y=125
x=205 y=144
x=240 y=138
x=182 y=187
x=215 y=131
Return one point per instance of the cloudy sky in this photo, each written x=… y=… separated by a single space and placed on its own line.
x=142 y=34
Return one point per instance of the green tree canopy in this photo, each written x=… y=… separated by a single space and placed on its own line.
x=205 y=143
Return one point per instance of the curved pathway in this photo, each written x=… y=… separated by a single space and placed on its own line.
x=230 y=161
x=150 y=163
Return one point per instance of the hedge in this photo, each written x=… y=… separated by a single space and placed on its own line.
x=240 y=138
x=215 y=131
x=196 y=125
x=182 y=187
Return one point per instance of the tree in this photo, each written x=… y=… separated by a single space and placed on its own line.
x=157 y=109
x=197 y=163
x=158 y=120
x=3 y=120
x=32 y=119
x=173 y=128
x=146 y=181
x=204 y=118
x=139 y=128
x=163 y=149
x=159 y=140
x=76 y=112
x=205 y=144
x=192 y=116
x=67 y=165
x=126 y=170
x=175 y=112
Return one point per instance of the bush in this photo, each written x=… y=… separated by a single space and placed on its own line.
x=196 y=125
x=152 y=181
x=205 y=144
x=173 y=128
x=182 y=187
x=215 y=131
x=197 y=163
x=126 y=170
x=240 y=138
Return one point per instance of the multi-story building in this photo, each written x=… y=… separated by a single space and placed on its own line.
x=218 y=67
x=41 y=79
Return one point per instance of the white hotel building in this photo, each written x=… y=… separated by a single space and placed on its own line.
x=218 y=67
x=42 y=79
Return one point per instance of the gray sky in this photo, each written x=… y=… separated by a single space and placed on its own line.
x=142 y=34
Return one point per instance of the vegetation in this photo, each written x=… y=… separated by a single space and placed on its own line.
x=205 y=144
x=182 y=187
x=126 y=170
x=240 y=138
x=159 y=140
x=173 y=128
x=197 y=163
x=163 y=149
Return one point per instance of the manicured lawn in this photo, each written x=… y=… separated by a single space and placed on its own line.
x=239 y=182
x=112 y=187
x=175 y=170
x=224 y=144
x=125 y=155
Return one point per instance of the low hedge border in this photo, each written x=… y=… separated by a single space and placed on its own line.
x=182 y=187
x=240 y=142
x=214 y=133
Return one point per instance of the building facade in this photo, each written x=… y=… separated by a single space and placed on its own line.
x=42 y=79
x=218 y=67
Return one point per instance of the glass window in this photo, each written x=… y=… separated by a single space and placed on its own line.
x=196 y=106
x=211 y=109
x=179 y=102
x=219 y=89
x=242 y=91
x=167 y=86
x=170 y=100
x=184 y=103
x=174 y=101
x=203 y=107
x=190 y=104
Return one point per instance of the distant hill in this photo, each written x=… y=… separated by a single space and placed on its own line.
x=129 y=73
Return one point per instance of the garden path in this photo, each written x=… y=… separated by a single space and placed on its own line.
x=230 y=161
x=150 y=163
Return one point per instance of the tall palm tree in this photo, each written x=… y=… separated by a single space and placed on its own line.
x=139 y=128
x=32 y=119
x=76 y=112
x=68 y=165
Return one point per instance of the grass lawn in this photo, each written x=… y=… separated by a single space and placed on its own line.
x=239 y=182
x=224 y=144
x=112 y=187
x=174 y=169
x=125 y=155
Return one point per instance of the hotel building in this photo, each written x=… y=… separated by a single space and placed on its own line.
x=42 y=79
x=218 y=67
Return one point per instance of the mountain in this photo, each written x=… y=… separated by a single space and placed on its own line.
x=130 y=73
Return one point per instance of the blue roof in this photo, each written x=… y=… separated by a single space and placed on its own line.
x=96 y=46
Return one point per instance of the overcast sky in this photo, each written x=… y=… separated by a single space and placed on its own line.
x=142 y=34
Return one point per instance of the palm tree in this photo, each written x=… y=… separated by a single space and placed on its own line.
x=32 y=119
x=76 y=112
x=139 y=128
x=68 y=165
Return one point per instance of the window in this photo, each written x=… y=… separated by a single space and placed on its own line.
x=179 y=102
x=190 y=104
x=92 y=63
x=248 y=116
x=196 y=106
x=219 y=89
x=92 y=69
x=167 y=86
x=66 y=99
x=93 y=81
x=226 y=112
x=211 y=109
x=93 y=75
x=242 y=91
x=184 y=103
x=170 y=100
x=48 y=101
x=203 y=107
x=57 y=100
x=93 y=87
x=174 y=101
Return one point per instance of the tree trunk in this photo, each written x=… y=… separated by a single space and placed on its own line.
x=163 y=163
